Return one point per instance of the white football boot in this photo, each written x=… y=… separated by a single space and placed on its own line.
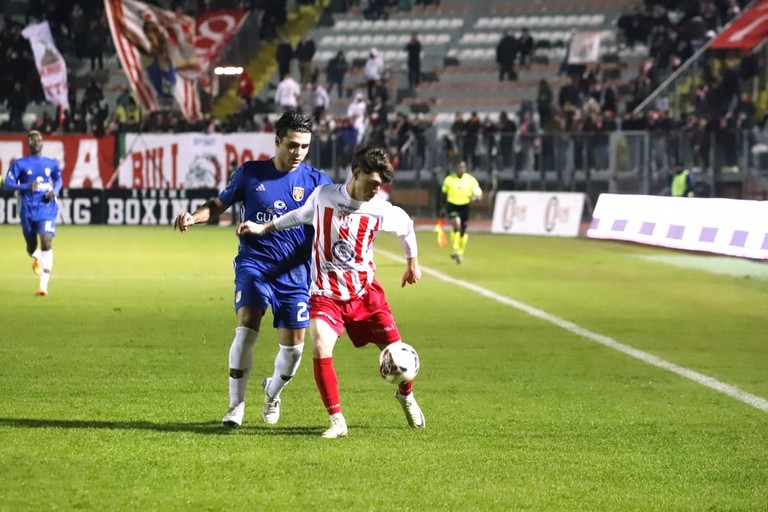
x=338 y=428
x=234 y=416
x=411 y=409
x=270 y=412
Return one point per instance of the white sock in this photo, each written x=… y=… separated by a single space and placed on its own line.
x=46 y=258
x=287 y=363
x=37 y=254
x=241 y=358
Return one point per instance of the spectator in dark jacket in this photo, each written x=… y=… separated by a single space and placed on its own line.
x=506 y=54
x=337 y=68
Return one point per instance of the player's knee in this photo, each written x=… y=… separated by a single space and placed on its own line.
x=236 y=373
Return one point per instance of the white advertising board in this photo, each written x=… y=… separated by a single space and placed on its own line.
x=538 y=213
x=724 y=226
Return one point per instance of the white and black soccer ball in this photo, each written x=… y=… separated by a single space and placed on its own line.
x=398 y=363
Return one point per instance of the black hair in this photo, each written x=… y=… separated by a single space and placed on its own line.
x=370 y=159
x=292 y=121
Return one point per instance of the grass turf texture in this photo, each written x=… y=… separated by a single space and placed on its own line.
x=112 y=388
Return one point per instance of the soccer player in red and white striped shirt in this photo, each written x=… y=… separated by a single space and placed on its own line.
x=344 y=291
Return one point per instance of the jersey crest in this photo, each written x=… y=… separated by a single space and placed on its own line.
x=298 y=193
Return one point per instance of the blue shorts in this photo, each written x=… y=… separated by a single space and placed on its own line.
x=287 y=294
x=32 y=228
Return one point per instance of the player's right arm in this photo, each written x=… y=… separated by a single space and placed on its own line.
x=12 y=180
x=212 y=208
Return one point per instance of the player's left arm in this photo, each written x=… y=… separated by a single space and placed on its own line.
x=57 y=184
x=477 y=192
x=396 y=221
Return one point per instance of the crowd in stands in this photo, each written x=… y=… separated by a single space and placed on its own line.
x=582 y=99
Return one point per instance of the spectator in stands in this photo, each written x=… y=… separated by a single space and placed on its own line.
x=17 y=105
x=489 y=130
x=78 y=30
x=356 y=114
x=305 y=51
x=376 y=10
x=544 y=98
x=605 y=96
x=98 y=35
x=283 y=56
x=472 y=129
x=414 y=60
x=526 y=48
x=568 y=97
x=245 y=86
x=374 y=70
x=129 y=116
x=745 y=111
x=507 y=131
x=321 y=101
x=506 y=54
x=337 y=68
x=529 y=140
x=287 y=94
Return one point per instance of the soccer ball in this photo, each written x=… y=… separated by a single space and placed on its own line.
x=398 y=363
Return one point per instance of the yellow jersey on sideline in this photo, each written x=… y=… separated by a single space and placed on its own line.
x=460 y=191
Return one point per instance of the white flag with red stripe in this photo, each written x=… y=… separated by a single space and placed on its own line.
x=156 y=48
x=50 y=64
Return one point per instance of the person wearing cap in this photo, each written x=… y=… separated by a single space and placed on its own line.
x=37 y=181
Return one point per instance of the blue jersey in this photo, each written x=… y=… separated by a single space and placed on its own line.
x=43 y=170
x=267 y=193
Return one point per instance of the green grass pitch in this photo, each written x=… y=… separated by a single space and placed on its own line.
x=113 y=387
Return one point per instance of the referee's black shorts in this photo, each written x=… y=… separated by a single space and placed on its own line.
x=458 y=210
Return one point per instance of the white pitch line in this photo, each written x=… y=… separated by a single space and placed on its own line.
x=699 y=378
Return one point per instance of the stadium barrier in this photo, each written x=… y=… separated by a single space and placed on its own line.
x=538 y=213
x=722 y=226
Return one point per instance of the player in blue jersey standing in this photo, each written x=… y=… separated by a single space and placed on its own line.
x=37 y=180
x=269 y=271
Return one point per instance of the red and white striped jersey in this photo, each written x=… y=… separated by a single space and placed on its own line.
x=345 y=229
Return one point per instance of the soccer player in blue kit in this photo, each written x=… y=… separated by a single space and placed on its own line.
x=269 y=271
x=37 y=180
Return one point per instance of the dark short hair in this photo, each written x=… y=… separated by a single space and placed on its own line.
x=292 y=121
x=370 y=159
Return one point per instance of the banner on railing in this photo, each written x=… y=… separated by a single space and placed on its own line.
x=538 y=213
x=747 y=31
x=188 y=160
x=115 y=207
x=85 y=161
x=724 y=226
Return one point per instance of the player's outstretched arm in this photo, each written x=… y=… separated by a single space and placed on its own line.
x=210 y=209
x=412 y=273
x=252 y=228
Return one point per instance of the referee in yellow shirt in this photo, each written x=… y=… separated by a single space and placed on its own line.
x=459 y=189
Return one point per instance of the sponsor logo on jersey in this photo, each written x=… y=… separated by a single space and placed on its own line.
x=298 y=193
x=261 y=188
x=342 y=251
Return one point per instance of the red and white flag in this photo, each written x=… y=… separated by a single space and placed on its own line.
x=50 y=64
x=215 y=29
x=156 y=48
x=747 y=31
